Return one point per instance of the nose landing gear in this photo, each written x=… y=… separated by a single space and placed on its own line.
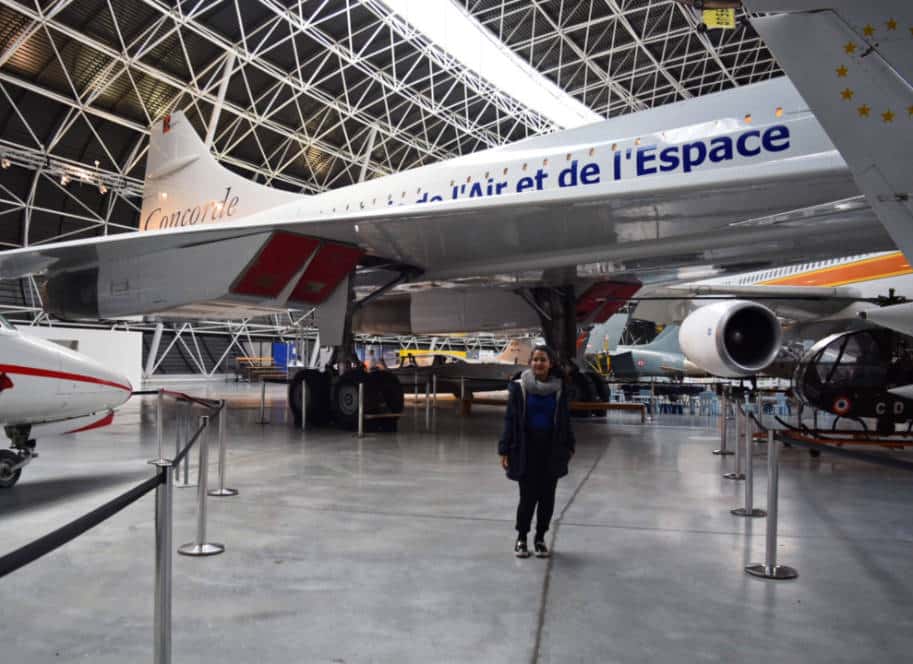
x=12 y=461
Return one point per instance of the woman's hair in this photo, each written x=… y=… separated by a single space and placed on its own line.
x=555 y=369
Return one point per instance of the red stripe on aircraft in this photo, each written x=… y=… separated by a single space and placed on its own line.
x=281 y=257
x=606 y=296
x=103 y=422
x=330 y=266
x=60 y=375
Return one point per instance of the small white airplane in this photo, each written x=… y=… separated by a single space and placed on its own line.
x=46 y=389
x=553 y=230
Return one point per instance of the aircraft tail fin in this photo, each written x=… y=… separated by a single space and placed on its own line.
x=186 y=186
x=853 y=63
x=666 y=341
x=517 y=351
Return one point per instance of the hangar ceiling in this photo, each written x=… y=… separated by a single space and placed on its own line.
x=317 y=94
x=314 y=87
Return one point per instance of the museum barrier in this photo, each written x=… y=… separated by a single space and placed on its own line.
x=162 y=482
x=749 y=510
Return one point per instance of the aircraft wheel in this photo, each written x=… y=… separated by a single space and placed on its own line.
x=600 y=390
x=344 y=398
x=318 y=395
x=8 y=476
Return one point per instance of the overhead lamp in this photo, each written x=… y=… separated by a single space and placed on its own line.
x=5 y=163
x=102 y=189
x=64 y=179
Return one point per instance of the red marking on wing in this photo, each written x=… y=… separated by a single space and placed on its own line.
x=60 y=375
x=281 y=257
x=330 y=266
x=604 y=298
x=103 y=422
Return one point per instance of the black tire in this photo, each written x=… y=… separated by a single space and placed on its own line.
x=344 y=398
x=391 y=400
x=580 y=389
x=601 y=392
x=8 y=477
x=318 y=406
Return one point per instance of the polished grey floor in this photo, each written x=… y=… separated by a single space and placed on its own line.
x=397 y=548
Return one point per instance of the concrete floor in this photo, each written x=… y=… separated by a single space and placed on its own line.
x=397 y=548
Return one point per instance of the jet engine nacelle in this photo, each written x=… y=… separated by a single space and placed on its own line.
x=731 y=339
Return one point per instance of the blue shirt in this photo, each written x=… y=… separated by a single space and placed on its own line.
x=540 y=411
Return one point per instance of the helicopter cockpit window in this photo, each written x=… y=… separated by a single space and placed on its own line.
x=851 y=360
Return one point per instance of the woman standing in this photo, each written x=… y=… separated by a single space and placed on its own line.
x=536 y=445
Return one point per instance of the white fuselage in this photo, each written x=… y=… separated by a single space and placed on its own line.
x=51 y=383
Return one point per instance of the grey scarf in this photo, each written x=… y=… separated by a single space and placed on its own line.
x=531 y=385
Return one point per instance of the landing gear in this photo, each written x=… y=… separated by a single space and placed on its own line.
x=14 y=460
x=557 y=309
x=333 y=398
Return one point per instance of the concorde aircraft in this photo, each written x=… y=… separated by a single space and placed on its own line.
x=46 y=389
x=555 y=230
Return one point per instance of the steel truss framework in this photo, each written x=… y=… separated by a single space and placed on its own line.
x=318 y=94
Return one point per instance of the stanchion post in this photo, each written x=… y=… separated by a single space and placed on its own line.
x=159 y=424
x=434 y=398
x=427 y=404
x=361 y=410
x=749 y=510
x=185 y=410
x=200 y=547
x=769 y=569
x=222 y=492
x=164 y=500
x=262 y=419
x=415 y=391
x=740 y=421
x=724 y=413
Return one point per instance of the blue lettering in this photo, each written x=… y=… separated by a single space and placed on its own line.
x=589 y=174
x=540 y=176
x=669 y=159
x=476 y=190
x=743 y=149
x=721 y=149
x=525 y=183
x=645 y=155
x=690 y=160
x=776 y=133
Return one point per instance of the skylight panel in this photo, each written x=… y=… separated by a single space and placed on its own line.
x=462 y=37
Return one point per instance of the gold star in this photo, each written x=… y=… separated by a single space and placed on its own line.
x=842 y=71
x=850 y=48
x=847 y=94
x=892 y=24
x=887 y=116
x=864 y=111
x=868 y=30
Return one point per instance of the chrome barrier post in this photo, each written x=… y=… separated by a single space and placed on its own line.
x=361 y=410
x=740 y=421
x=427 y=405
x=724 y=414
x=749 y=510
x=415 y=391
x=164 y=516
x=185 y=411
x=222 y=492
x=434 y=398
x=262 y=419
x=159 y=425
x=770 y=569
x=200 y=547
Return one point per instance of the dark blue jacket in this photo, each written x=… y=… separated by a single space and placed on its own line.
x=513 y=440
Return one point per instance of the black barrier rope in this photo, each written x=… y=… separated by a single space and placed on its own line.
x=190 y=443
x=890 y=462
x=53 y=540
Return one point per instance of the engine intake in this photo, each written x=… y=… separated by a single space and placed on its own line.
x=731 y=339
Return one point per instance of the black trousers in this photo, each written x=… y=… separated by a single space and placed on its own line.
x=537 y=494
